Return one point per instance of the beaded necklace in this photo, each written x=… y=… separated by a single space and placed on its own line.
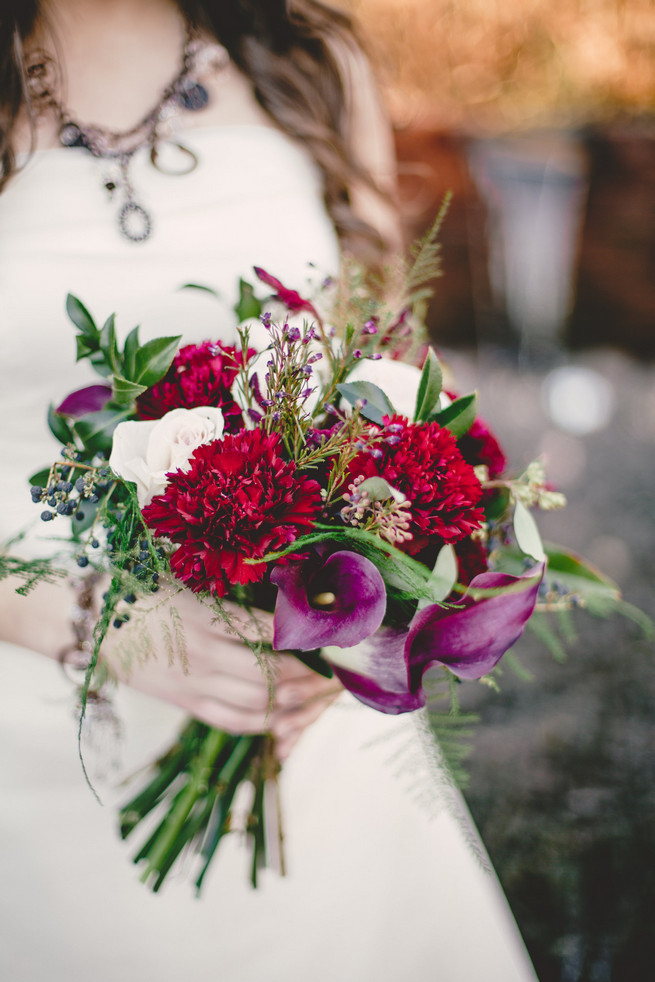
x=117 y=149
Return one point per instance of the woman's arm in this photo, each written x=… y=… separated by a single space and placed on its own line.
x=221 y=682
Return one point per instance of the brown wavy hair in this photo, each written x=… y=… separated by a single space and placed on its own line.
x=287 y=49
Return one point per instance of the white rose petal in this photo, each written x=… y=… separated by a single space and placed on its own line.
x=144 y=452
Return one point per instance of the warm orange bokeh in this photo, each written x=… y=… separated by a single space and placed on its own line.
x=508 y=63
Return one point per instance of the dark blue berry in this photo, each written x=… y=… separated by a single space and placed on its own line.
x=94 y=543
x=62 y=508
x=79 y=515
x=155 y=577
x=130 y=598
x=79 y=484
x=46 y=516
x=82 y=561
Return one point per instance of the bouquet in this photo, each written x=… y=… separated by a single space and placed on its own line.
x=317 y=474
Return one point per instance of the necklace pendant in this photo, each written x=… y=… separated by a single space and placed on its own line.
x=193 y=96
x=134 y=222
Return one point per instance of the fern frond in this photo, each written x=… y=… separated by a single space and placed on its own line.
x=426 y=261
x=30 y=571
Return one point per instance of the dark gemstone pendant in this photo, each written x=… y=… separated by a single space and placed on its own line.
x=134 y=222
x=193 y=96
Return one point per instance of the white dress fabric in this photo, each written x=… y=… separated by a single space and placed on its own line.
x=386 y=879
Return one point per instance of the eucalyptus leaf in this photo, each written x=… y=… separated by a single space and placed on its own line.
x=247 y=306
x=124 y=391
x=443 y=577
x=429 y=389
x=459 y=416
x=81 y=317
x=377 y=489
x=376 y=403
x=58 y=426
x=152 y=361
x=527 y=533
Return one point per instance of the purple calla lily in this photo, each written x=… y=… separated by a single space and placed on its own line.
x=386 y=671
x=338 y=600
x=90 y=399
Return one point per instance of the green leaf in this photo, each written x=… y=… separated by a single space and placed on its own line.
x=58 y=426
x=81 y=317
x=376 y=403
x=429 y=390
x=124 y=391
x=152 y=361
x=398 y=570
x=443 y=577
x=40 y=478
x=109 y=345
x=83 y=347
x=527 y=533
x=459 y=416
x=100 y=364
x=578 y=575
x=201 y=287
x=129 y=353
x=95 y=429
x=89 y=511
x=247 y=306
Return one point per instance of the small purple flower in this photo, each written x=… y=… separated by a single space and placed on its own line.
x=370 y=327
x=374 y=357
x=357 y=353
x=90 y=399
x=338 y=600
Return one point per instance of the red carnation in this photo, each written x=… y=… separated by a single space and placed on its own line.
x=480 y=446
x=471 y=559
x=239 y=500
x=200 y=375
x=423 y=461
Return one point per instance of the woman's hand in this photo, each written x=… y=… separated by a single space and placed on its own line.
x=219 y=680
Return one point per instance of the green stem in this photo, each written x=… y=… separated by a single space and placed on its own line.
x=200 y=773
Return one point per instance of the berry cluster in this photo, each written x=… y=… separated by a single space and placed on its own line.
x=64 y=493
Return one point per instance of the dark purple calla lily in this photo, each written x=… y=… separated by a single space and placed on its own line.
x=338 y=600
x=90 y=399
x=386 y=671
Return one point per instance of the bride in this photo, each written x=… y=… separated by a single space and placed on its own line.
x=147 y=144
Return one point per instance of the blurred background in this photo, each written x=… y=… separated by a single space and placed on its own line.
x=540 y=116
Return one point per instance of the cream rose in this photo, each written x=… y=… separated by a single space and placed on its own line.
x=144 y=452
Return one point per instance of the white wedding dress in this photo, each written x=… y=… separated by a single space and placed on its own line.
x=386 y=879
